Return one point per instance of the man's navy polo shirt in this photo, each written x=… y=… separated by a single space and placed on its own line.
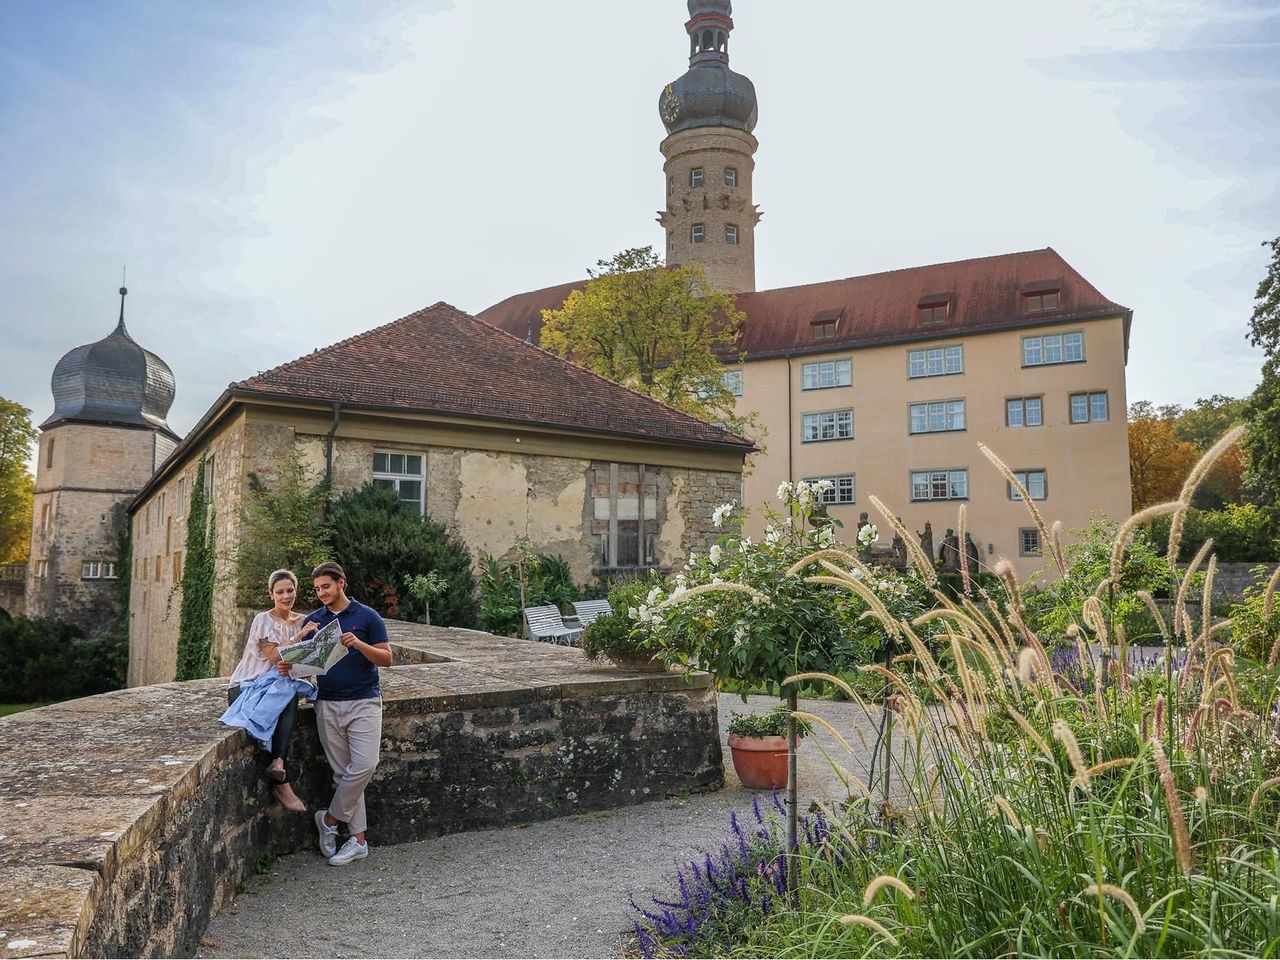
x=353 y=677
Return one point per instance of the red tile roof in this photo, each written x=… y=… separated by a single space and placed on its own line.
x=445 y=361
x=985 y=295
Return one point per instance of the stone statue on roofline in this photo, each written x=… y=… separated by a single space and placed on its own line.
x=899 y=547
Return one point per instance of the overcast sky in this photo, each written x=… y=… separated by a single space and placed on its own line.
x=278 y=176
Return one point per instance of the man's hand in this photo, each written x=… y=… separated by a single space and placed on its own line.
x=283 y=667
x=349 y=640
x=307 y=630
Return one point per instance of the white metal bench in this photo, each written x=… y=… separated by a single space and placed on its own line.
x=588 y=610
x=545 y=623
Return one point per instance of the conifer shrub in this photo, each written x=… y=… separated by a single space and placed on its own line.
x=383 y=544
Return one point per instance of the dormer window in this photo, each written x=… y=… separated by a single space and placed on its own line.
x=1041 y=301
x=934 y=308
x=695 y=177
x=698 y=233
x=825 y=323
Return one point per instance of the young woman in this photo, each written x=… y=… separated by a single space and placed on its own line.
x=269 y=631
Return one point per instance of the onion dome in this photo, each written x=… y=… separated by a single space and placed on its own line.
x=709 y=94
x=113 y=381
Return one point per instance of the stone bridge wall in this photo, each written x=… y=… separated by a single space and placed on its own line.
x=13 y=589
x=131 y=817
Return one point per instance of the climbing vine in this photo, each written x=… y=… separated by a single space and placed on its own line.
x=195 y=627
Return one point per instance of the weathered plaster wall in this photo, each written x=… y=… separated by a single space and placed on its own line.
x=131 y=817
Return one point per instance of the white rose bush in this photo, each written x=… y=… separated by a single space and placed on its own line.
x=752 y=614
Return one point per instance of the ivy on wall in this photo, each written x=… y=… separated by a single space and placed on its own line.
x=195 y=626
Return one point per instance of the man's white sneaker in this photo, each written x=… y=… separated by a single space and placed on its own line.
x=353 y=849
x=328 y=836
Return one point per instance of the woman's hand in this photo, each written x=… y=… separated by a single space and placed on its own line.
x=283 y=668
x=307 y=630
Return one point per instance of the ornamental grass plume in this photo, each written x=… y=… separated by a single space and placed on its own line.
x=1100 y=890
x=687 y=595
x=923 y=564
x=1129 y=527
x=1198 y=472
x=1025 y=497
x=1269 y=594
x=1263 y=787
x=1177 y=820
x=1006 y=808
x=1032 y=733
x=882 y=881
x=1063 y=733
x=872 y=925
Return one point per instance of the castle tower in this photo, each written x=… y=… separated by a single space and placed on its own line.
x=105 y=438
x=709 y=114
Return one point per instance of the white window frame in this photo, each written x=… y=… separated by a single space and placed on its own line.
x=827 y=425
x=1025 y=478
x=1023 y=550
x=730 y=176
x=925 y=483
x=732 y=380
x=844 y=489
x=937 y=416
x=1090 y=398
x=391 y=475
x=109 y=570
x=731 y=234
x=1021 y=405
x=698 y=233
x=42 y=569
x=90 y=570
x=935 y=362
x=1051 y=349
x=826 y=374
x=697 y=177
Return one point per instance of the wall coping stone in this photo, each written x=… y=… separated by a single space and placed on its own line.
x=85 y=784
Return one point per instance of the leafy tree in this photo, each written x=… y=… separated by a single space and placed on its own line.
x=1241 y=532
x=1210 y=418
x=663 y=331
x=1263 y=411
x=16 y=484
x=1158 y=460
x=284 y=529
x=385 y=545
x=195 y=626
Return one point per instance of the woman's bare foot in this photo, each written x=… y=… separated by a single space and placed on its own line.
x=288 y=799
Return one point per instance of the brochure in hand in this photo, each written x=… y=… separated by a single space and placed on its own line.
x=315 y=655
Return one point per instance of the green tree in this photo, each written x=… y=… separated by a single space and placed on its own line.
x=16 y=484
x=663 y=331
x=385 y=545
x=283 y=529
x=195 y=626
x=1262 y=443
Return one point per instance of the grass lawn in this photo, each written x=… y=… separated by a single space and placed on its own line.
x=8 y=708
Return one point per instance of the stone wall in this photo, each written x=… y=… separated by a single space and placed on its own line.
x=131 y=817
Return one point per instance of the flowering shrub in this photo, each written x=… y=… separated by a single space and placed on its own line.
x=771 y=724
x=745 y=613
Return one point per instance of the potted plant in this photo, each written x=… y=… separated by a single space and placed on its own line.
x=611 y=636
x=758 y=745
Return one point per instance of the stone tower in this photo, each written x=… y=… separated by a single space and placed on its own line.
x=105 y=438
x=709 y=114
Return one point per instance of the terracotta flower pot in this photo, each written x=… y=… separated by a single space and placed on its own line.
x=760 y=762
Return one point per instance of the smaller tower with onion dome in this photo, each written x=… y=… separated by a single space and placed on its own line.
x=106 y=436
x=709 y=114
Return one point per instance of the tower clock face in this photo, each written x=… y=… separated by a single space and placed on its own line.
x=670 y=105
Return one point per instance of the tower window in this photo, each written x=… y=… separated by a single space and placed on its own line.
x=48 y=454
x=671 y=238
x=695 y=177
x=698 y=233
x=731 y=234
x=730 y=176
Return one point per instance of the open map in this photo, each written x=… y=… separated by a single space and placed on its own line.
x=315 y=655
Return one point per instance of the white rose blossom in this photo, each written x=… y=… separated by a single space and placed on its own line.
x=714 y=554
x=722 y=513
x=784 y=490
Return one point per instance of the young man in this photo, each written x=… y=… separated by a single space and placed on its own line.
x=348 y=711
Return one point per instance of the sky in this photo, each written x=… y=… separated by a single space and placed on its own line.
x=277 y=177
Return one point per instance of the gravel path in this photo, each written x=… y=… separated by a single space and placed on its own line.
x=552 y=889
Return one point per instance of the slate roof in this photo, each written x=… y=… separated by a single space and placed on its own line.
x=442 y=360
x=985 y=294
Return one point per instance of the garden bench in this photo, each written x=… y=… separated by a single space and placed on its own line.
x=545 y=623
x=588 y=610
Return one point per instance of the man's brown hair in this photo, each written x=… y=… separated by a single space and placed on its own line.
x=329 y=568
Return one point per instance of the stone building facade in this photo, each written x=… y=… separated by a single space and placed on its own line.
x=491 y=465
x=105 y=438
x=887 y=383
